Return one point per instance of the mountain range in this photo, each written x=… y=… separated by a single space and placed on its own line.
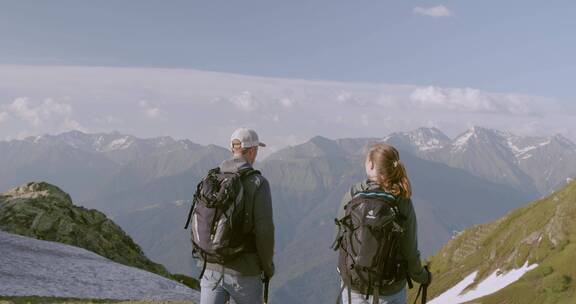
x=146 y=185
x=535 y=165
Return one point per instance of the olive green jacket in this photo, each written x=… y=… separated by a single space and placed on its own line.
x=409 y=243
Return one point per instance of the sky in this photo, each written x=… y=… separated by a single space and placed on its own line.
x=465 y=55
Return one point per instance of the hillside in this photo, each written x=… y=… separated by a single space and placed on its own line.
x=45 y=212
x=537 y=240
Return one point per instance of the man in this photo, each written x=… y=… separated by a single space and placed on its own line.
x=241 y=278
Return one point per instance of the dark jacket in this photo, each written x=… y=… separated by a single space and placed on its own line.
x=409 y=244
x=259 y=199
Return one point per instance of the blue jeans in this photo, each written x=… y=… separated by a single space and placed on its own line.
x=397 y=298
x=238 y=289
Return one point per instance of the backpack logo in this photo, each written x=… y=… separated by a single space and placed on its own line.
x=371 y=215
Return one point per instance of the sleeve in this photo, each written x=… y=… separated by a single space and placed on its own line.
x=264 y=227
x=410 y=248
x=347 y=197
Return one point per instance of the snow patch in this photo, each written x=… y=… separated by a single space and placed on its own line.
x=119 y=144
x=461 y=142
x=493 y=283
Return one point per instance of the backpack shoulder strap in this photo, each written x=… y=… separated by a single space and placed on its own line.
x=377 y=194
x=245 y=174
x=248 y=172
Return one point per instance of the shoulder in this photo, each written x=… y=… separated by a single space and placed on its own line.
x=406 y=206
x=359 y=187
x=364 y=185
x=258 y=180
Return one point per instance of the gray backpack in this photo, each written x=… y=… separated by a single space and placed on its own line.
x=219 y=217
x=368 y=244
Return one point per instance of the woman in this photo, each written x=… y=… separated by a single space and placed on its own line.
x=386 y=176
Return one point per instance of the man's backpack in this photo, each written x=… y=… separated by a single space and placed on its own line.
x=219 y=217
x=368 y=243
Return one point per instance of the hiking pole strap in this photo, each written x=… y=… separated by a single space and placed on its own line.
x=425 y=286
x=376 y=296
x=424 y=294
x=203 y=267
x=349 y=295
x=266 y=288
x=409 y=281
x=191 y=211
x=418 y=294
x=340 y=294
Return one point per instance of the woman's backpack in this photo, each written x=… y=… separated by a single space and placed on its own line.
x=219 y=217
x=368 y=243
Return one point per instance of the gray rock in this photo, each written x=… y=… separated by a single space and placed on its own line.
x=30 y=267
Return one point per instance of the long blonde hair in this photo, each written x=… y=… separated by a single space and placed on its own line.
x=390 y=171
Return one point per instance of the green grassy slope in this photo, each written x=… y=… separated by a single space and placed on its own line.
x=542 y=232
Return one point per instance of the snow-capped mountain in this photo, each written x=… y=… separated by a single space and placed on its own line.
x=535 y=165
x=419 y=141
x=120 y=148
x=88 y=165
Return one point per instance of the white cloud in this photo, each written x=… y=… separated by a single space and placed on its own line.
x=365 y=120
x=71 y=124
x=349 y=98
x=470 y=101
x=3 y=116
x=287 y=102
x=108 y=120
x=246 y=101
x=438 y=11
x=20 y=108
x=49 y=114
x=152 y=113
x=149 y=111
x=200 y=102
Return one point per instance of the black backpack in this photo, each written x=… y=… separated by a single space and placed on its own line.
x=368 y=243
x=219 y=217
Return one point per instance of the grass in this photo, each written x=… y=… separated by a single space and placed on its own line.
x=541 y=232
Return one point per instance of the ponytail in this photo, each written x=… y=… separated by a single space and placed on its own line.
x=391 y=172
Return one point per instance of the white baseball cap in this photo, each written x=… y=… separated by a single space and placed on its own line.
x=247 y=137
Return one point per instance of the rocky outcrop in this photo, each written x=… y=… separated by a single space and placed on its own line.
x=43 y=211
